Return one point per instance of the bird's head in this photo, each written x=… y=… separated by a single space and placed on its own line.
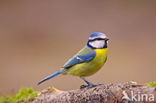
x=97 y=40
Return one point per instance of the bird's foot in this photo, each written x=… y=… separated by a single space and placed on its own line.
x=89 y=85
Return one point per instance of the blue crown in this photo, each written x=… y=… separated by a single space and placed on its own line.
x=95 y=34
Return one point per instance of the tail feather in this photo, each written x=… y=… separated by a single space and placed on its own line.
x=49 y=77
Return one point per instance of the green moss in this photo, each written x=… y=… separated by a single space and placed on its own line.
x=153 y=84
x=25 y=95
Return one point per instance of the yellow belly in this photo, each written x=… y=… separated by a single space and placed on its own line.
x=89 y=68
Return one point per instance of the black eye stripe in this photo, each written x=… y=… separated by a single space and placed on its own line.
x=97 y=39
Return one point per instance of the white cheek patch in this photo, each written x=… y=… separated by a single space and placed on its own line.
x=97 y=43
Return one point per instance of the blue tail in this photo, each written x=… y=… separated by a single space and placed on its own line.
x=49 y=77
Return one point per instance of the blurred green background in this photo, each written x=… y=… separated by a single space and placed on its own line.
x=38 y=37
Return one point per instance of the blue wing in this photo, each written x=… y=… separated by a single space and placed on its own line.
x=80 y=59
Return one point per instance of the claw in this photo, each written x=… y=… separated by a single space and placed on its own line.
x=89 y=84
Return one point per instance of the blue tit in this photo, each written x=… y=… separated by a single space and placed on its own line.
x=87 y=61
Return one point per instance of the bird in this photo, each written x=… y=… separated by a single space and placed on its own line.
x=87 y=61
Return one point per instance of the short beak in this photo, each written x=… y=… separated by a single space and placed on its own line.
x=107 y=39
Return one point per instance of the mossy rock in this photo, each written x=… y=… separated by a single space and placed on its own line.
x=153 y=84
x=24 y=95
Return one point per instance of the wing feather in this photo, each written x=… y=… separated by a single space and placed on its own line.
x=85 y=55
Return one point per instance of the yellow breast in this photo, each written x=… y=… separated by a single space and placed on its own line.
x=89 y=68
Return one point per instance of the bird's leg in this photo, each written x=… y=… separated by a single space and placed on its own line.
x=89 y=84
